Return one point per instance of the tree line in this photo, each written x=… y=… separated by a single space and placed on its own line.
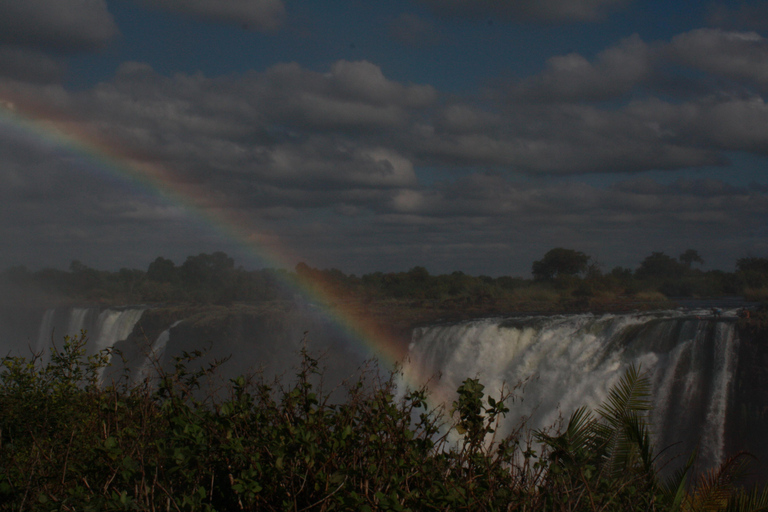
x=204 y=278
x=561 y=272
x=674 y=277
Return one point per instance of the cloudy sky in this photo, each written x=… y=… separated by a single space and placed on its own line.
x=467 y=135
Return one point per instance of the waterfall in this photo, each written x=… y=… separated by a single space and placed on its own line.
x=45 y=333
x=58 y=323
x=80 y=319
x=114 y=325
x=563 y=362
x=154 y=355
x=567 y=361
x=104 y=327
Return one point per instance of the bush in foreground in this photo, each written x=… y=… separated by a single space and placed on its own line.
x=70 y=444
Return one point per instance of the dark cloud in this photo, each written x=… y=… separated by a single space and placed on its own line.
x=60 y=25
x=559 y=139
x=612 y=223
x=614 y=72
x=51 y=198
x=734 y=55
x=535 y=10
x=380 y=172
x=732 y=124
x=698 y=62
x=27 y=65
x=352 y=126
x=281 y=138
x=495 y=197
x=262 y=15
x=745 y=16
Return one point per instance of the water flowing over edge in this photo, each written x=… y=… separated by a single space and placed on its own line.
x=562 y=362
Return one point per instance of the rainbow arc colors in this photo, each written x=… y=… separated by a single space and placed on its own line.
x=115 y=158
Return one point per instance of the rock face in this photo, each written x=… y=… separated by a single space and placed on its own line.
x=748 y=418
x=263 y=339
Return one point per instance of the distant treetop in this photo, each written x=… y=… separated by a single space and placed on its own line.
x=560 y=262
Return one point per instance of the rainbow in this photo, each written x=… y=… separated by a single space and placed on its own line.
x=111 y=156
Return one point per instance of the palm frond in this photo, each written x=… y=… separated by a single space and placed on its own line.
x=638 y=434
x=674 y=488
x=715 y=488
x=754 y=501
x=624 y=432
x=631 y=394
x=580 y=429
x=576 y=440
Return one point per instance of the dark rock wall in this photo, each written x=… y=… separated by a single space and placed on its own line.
x=748 y=411
x=252 y=339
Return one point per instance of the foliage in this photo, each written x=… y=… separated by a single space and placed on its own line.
x=689 y=257
x=753 y=272
x=659 y=266
x=752 y=264
x=560 y=262
x=67 y=443
x=163 y=270
x=564 y=279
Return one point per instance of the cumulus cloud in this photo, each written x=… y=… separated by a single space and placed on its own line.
x=28 y=65
x=603 y=221
x=283 y=103
x=572 y=77
x=57 y=24
x=348 y=145
x=263 y=15
x=357 y=81
x=315 y=165
x=725 y=62
x=353 y=127
x=735 y=55
x=536 y=10
x=559 y=139
x=268 y=137
x=718 y=123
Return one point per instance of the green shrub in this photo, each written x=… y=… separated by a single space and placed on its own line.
x=68 y=443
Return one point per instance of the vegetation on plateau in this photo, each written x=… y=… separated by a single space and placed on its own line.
x=69 y=443
x=562 y=280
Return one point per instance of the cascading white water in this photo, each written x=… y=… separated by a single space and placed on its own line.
x=58 y=323
x=569 y=361
x=114 y=325
x=79 y=319
x=154 y=355
x=103 y=328
x=45 y=332
x=714 y=427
